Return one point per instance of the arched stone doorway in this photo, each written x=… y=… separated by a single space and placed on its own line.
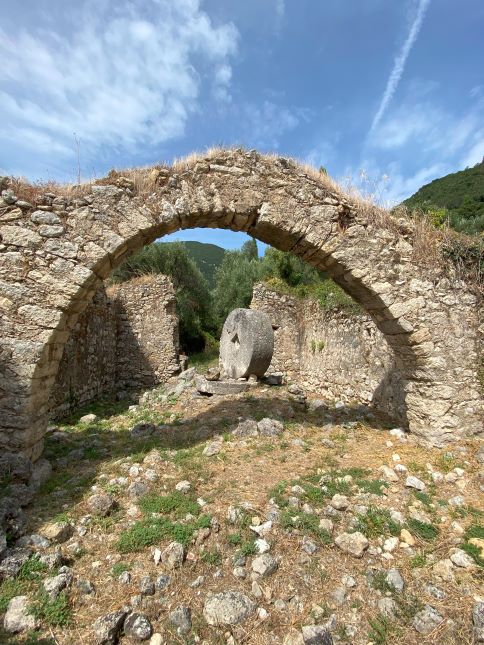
x=53 y=255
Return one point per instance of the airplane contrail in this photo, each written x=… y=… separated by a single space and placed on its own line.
x=400 y=61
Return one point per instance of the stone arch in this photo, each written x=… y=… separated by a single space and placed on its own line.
x=54 y=254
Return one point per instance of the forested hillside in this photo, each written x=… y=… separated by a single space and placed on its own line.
x=207 y=257
x=457 y=199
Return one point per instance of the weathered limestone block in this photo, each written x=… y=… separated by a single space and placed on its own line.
x=246 y=343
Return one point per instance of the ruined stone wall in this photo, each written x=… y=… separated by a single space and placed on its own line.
x=54 y=249
x=126 y=338
x=147 y=331
x=336 y=354
x=88 y=367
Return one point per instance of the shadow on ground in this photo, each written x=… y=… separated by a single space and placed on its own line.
x=79 y=453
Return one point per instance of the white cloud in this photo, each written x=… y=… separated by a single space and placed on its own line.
x=400 y=62
x=130 y=76
x=280 y=10
x=434 y=130
x=266 y=122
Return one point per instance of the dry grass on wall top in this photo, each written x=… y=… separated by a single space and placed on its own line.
x=455 y=254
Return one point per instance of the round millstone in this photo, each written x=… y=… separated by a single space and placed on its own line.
x=247 y=343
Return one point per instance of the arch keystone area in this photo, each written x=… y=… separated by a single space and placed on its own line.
x=55 y=250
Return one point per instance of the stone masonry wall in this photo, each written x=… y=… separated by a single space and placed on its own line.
x=147 y=333
x=126 y=338
x=87 y=368
x=55 y=248
x=339 y=356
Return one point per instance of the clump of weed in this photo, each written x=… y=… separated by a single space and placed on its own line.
x=55 y=613
x=377 y=521
x=247 y=548
x=418 y=561
x=373 y=486
x=381 y=630
x=378 y=580
x=211 y=557
x=447 y=462
x=235 y=538
x=308 y=522
x=474 y=531
x=149 y=531
x=118 y=568
x=423 y=530
x=177 y=504
x=11 y=588
x=32 y=569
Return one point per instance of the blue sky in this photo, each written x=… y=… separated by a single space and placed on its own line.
x=386 y=94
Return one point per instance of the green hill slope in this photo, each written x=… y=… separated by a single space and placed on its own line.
x=461 y=194
x=207 y=257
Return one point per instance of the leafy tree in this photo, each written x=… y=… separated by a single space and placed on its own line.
x=234 y=280
x=194 y=301
x=249 y=249
x=438 y=217
x=468 y=209
x=289 y=268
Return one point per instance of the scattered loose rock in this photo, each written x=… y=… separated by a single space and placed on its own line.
x=227 y=608
x=264 y=564
x=18 y=619
x=181 y=619
x=353 y=543
x=101 y=504
x=174 y=555
x=427 y=620
x=107 y=628
x=137 y=626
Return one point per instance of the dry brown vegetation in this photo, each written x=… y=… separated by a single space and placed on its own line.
x=249 y=473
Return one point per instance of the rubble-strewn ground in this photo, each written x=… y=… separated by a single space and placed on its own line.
x=363 y=532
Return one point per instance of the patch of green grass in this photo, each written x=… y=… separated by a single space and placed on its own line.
x=423 y=530
x=308 y=522
x=425 y=498
x=277 y=494
x=247 y=548
x=447 y=462
x=211 y=557
x=418 y=561
x=149 y=531
x=373 y=486
x=11 y=588
x=177 y=504
x=119 y=568
x=235 y=539
x=32 y=569
x=55 y=613
x=475 y=531
x=377 y=521
x=92 y=453
x=381 y=630
x=379 y=582
x=464 y=511
x=61 y=517
x=475 y=553
x=203 y=360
